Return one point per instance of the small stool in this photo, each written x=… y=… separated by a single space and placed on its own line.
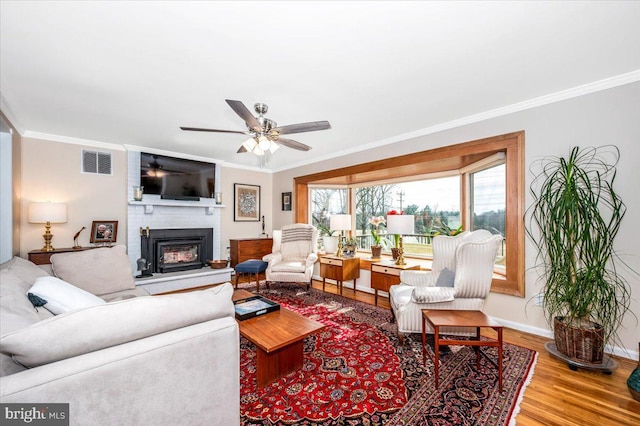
x=253 y=266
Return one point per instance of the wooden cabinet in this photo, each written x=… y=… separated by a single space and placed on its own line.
x=249 y=248
x=339 y=269
x=40 y=257
x=386 y=274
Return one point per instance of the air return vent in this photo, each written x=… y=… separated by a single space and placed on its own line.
x=96 y=162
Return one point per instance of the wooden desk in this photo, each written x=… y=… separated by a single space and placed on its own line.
x=40 y=257
x=278 y=337
x=385 y=274
x=459 y=318
x=339 y=269
x=242 y=249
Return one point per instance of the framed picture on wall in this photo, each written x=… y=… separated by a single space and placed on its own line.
x=286 y=201
x=104 y=231
x=246 y=203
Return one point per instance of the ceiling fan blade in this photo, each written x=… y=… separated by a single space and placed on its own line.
x=303 y=127
x=293 y=144
x=198 y=129
x=241 y=149
x=245 y=114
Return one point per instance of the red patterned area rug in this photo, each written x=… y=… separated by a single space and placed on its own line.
x=356 y=373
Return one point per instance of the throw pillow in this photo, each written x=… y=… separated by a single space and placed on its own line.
x=110 y=324
x=432 y=294
x=61 y=296
x=446 y=278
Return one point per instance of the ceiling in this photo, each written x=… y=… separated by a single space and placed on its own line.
x=130 y=73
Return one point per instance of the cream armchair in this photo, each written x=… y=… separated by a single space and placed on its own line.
x=293 y=255
x=460 y=278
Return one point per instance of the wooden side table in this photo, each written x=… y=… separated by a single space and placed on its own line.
x=40 y=257
x=249 y=248
x=339 y=269
x=386 y=274
x=459 y=318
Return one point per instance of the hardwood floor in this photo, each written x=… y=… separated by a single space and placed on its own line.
x=556 y=395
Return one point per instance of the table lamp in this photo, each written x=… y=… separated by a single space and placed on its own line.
x=47 y=213
x=340 y=222
x=400 y=224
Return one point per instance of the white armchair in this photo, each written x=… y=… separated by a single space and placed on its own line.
x=460 y=278
x=293 y=254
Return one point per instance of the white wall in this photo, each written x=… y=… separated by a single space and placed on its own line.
x=6 y=196
x=232 y=229
x=606 y=117
x=51 y=172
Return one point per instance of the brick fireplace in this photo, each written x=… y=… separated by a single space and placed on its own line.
x=155 y=213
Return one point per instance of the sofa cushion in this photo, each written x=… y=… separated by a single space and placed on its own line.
x=99 y=271
x=289 y=266
x=16 y=311
x=61 y=296
x=23 y=269
x=98 y=327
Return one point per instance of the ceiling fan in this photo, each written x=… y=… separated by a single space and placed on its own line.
x=264 y=132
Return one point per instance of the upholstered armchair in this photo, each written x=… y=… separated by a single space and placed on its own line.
x=293 y=255
x=460 y=278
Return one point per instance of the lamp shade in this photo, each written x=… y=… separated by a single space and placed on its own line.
x=400 y=224
x=47 y=212
x=340 y=222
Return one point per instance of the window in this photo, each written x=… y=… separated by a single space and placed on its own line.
x=432 y=202
x=488 y=204
x=324 y=203
x=473 y=163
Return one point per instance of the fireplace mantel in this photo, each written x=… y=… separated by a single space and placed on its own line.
x=149 y=203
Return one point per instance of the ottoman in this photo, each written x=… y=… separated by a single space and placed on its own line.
x=253 y=266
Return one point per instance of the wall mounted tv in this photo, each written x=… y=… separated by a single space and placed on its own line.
x=176 y=178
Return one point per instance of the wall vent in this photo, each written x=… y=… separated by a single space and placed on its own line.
x=96 y=162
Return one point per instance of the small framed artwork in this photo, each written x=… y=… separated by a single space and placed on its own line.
x=286 y=201
x=104 y=231
x=246 y=202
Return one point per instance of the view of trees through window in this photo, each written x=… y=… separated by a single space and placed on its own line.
x=434 y=203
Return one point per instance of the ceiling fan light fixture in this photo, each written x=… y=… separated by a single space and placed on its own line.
x=264 y=143
x=274 y=147
x=250 y=144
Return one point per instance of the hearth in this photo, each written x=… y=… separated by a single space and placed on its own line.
x=170 y=250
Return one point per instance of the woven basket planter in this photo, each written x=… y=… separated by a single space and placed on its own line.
x=579 y=344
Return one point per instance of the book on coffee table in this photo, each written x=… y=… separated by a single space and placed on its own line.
x=254 y=306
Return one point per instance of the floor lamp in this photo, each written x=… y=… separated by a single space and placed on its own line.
x=340 y=222
x=401 y=224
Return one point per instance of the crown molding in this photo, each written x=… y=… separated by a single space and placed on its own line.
x=585 y=89
x=74 y=141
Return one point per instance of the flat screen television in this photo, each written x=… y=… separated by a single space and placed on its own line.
x=176 y=178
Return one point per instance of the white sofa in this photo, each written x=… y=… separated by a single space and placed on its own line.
x=162 y=360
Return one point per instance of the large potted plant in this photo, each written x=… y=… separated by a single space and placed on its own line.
x=574 y=219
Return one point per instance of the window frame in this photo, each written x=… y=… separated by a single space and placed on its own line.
x=446 y=159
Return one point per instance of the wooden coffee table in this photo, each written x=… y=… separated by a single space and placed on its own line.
x=456 y=318
x=278 y=337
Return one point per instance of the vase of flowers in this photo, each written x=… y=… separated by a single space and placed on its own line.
x=375 y=222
